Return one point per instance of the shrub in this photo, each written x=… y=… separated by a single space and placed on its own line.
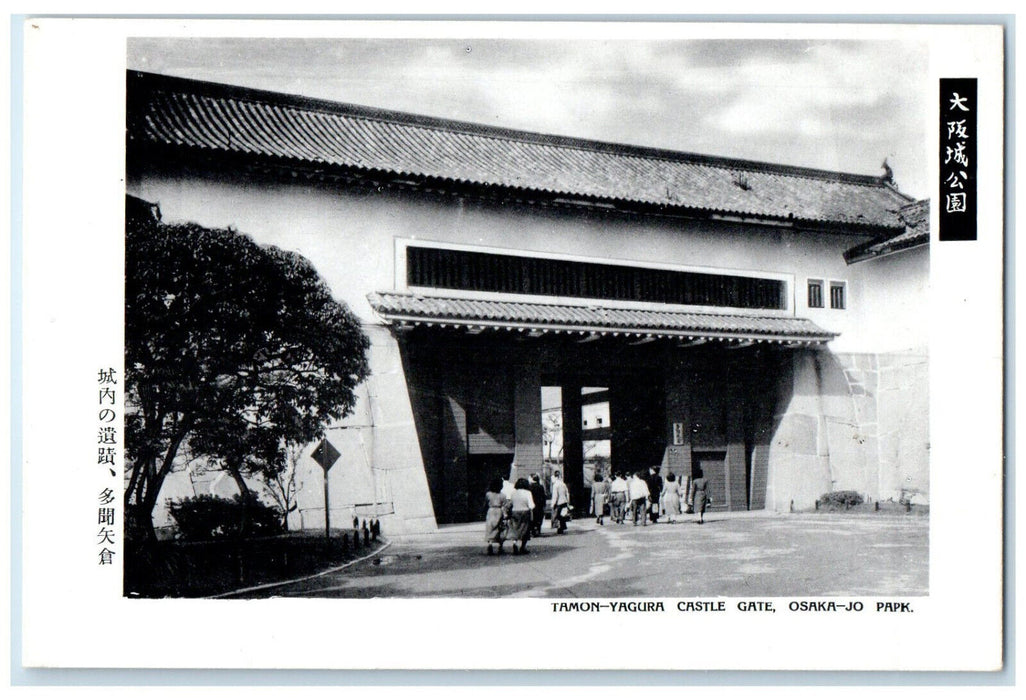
x=840 y=499
x=210 y=517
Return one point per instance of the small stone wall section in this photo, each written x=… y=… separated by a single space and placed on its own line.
x=850 y=421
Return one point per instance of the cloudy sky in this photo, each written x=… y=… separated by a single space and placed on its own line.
x=837 y=105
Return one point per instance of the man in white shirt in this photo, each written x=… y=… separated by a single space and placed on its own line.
x=560 y=503
x=638 y=491
x=618 y=498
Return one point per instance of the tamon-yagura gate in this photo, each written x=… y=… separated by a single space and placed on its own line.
x=684 y=390
x=759 y=321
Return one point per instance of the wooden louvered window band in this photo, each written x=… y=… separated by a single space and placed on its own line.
x=489 y=272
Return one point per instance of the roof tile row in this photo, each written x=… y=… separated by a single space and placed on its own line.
x=193 y=115
x=407 y=306
x=916 y=219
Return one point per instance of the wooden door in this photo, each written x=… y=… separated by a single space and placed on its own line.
x=713 y=465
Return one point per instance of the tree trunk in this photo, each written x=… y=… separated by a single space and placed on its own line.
x=138 y=513
x=133 y=482
x=285 y=518
x=236 y=474
x=149 y=488
x=145 y=513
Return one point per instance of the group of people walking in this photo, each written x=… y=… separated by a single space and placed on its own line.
x=516 y=510
x=641 y=497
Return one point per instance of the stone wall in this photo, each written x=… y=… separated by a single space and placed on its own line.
x=850 y=421
x=903 y=406
x=381 y=460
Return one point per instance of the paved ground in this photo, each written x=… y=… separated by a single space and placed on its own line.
x=730 y=555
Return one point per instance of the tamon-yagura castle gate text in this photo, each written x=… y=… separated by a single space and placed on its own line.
x=762 y=322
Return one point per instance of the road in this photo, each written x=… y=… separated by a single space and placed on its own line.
x=733 y=555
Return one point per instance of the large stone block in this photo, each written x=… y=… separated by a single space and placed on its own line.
x=797 y=435
x=806 y=376
x=865 y=361
x=865 y=412
x=838 y=407
x=833 y=382
x=847 y=457
x=888 y=445
x=797 y=480
x=844 y=360
x=889 y=379
x=891 y=409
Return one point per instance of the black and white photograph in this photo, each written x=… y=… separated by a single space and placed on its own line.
x=635 y=318
x=673 y=332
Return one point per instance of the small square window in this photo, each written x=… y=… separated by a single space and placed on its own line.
x=837 y=300
x=815 y=294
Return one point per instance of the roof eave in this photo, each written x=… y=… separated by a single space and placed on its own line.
x=552 y=198
x=882 y=250
x=412 y=320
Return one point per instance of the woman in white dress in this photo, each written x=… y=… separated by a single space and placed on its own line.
x=671 y=498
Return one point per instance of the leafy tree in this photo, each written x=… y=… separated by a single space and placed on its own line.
x=233 y=349
x=282 y=485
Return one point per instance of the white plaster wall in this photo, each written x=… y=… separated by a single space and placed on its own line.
x=350 y=237
x=895 y=288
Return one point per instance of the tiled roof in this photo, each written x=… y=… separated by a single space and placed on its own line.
x=916 y=219
x=583 y=318
x=297 y=132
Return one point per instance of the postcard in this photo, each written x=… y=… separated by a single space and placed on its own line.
x=500 y=345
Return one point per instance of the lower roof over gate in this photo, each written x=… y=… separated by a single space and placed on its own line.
x=406 y=309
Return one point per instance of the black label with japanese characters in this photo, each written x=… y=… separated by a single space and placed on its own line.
x=957 y=203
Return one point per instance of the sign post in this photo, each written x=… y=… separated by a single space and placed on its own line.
x=326 y=455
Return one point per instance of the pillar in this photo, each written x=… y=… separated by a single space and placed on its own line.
x=677 y=457
x=454 y=458
x=573 y=447
x=528 y=456
x=736 y=476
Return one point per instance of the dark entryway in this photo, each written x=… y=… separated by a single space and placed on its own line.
x=638 y=414
x=479 y=408
x=610 y=423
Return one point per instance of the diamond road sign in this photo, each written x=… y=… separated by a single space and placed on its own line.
x=326 y=454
